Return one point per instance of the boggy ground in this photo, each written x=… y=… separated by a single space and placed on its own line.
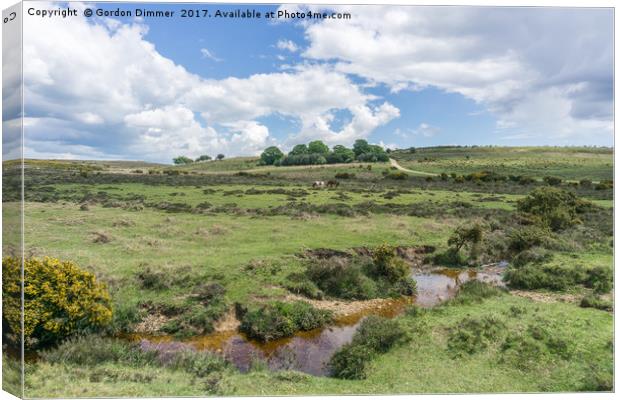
x=157 y=239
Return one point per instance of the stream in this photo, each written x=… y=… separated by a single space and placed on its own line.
x=310 y=351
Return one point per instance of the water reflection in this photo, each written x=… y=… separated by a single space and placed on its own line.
x=310 y=351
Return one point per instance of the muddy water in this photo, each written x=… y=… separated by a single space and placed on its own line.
x=310 y=351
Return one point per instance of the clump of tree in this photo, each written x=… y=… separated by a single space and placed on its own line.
x=318 y=153
x=271 y=155
x=182 y=160
x=203 y=158
x=220 y=157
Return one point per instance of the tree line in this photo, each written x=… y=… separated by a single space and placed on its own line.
x=181 y=160
x=317 y=152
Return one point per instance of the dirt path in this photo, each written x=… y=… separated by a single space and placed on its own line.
x=396 y=165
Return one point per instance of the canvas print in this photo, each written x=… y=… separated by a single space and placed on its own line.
x=292 y=199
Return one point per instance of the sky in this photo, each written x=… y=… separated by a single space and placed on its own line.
x=399 y=76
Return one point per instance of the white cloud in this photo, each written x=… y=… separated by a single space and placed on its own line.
x=502 y=58
x=426 y=130
x=208 y=54
x=287 y=45
x=119 y=96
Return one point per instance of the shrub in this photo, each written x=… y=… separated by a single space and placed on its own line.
x=545 y=276
x=274 y=320
x=585 y=183
x=593 y=301
x=349 y=362
x=558 y=208
x=604 y=185
x=375 y=335
x=344 y=175
x=397 y=176
x=552 y=180
x=526 y=349
x=466 y=236
x=473 y=335
x=386 y=264
x=600 y=279
x=300 y=284
x=198 y=363
x=379 y=334
x=153 y=280
x=92 y=350
x=534 y=255
x=60 y=300
x=341 y=278
x=474 y=292
x=527 y=237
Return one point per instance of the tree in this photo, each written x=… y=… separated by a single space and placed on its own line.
x=298 y=150
x=318 y=147
x=203 y=157
x=271 y=155
x=360 y=147
x=465 y=235
x=180 y=160
x=220 y=157
x=341 y=154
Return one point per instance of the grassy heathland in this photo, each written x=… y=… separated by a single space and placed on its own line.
x=237 y=234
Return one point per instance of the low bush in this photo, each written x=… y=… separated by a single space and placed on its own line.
x=299 y=283
x=397 y=176
x=604 y=185
x=558 y=277
x=529 y=349
x=552 y=180
x=593 y=301
x=92 y=350
x=557 y=208
x=61 y=299
x=277 y=319
x=386 y=264
x=379 y=334
x=359 y=278
x=374 y=336
x=473 y=335
x=527 y=237
x=474 y=292
x=600 y=279
x=344 y=175
x=350 y=361
x=199 y=313
x=95 y=350
x=342 y=278
x=153 y=280
x=534 y=255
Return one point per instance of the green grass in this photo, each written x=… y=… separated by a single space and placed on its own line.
x=219 y=246
x=573 y=163
x=424 y=365
x=252 y=255
x=230 y=193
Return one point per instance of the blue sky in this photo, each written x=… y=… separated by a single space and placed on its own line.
x=127 y=88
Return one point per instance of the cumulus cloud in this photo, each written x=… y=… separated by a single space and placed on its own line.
x=106 y=92
x=120 y=97
x=287 y=45
x=502 y=58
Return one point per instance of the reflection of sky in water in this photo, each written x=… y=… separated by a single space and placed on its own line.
x=310 y=351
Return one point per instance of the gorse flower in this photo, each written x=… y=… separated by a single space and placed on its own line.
x=59 y=299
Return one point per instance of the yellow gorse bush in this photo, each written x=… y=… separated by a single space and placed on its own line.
x=59 y=299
